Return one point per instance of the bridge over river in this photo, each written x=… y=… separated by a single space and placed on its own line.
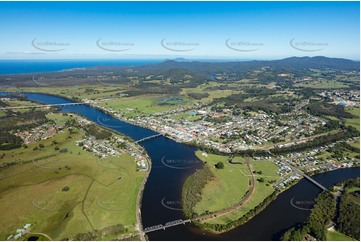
x=167 y=225
x=42 y=106
x=314 y=182
x=149 y=137
x=306 y=176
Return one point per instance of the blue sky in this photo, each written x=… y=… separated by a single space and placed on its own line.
x=254 y=30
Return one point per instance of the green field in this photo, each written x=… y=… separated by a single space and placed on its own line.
x=230 y=184
x=16 y=103
x=97 y=91
x=353 y=189
x=354 y=122
x=2 y=113
x=111 y=97
x=262 y=190
x=212 y=93
x=133 y=106
x=322 y=84
x=59 y=118
x=356 y=144
x=337 y=236
x=102 y=192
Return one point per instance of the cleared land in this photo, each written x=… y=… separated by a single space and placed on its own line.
x=337 y=236
x=323 y=84
x=354 y=122
x=262 y=190
x=231 y=184
x=101 y=192
x=134 y=106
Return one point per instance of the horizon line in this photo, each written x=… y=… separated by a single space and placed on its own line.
x=175 y=58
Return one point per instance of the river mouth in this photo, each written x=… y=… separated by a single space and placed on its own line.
x=173 y=162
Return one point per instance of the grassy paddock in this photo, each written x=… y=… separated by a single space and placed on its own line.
x=134 y=106
x=231 y=184
x=354 y=122
x=101 y=192
x=337 y=236
x=262 y=190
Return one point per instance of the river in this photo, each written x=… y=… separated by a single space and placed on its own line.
x=173 y=162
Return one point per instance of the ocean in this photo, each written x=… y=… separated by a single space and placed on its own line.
x=33 y=66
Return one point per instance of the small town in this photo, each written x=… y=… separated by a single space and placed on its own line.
x=180 y=121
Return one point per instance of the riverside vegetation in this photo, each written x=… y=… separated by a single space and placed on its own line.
x=345 y=214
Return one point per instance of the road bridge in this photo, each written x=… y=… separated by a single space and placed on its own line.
x=167 y=225
x=147 y=138
x=314 y=182
x=42 y=106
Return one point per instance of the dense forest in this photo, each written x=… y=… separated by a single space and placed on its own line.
x=9 y=141
x=348 y=219
x=326 y=109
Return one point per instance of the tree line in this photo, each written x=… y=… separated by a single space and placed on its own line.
x=250 y=214
x=321 y=215
x=192 y=190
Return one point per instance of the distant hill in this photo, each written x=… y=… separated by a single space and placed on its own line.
x=293 y=64
x=177 y=60
x=319 y=62
x=186 y=72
